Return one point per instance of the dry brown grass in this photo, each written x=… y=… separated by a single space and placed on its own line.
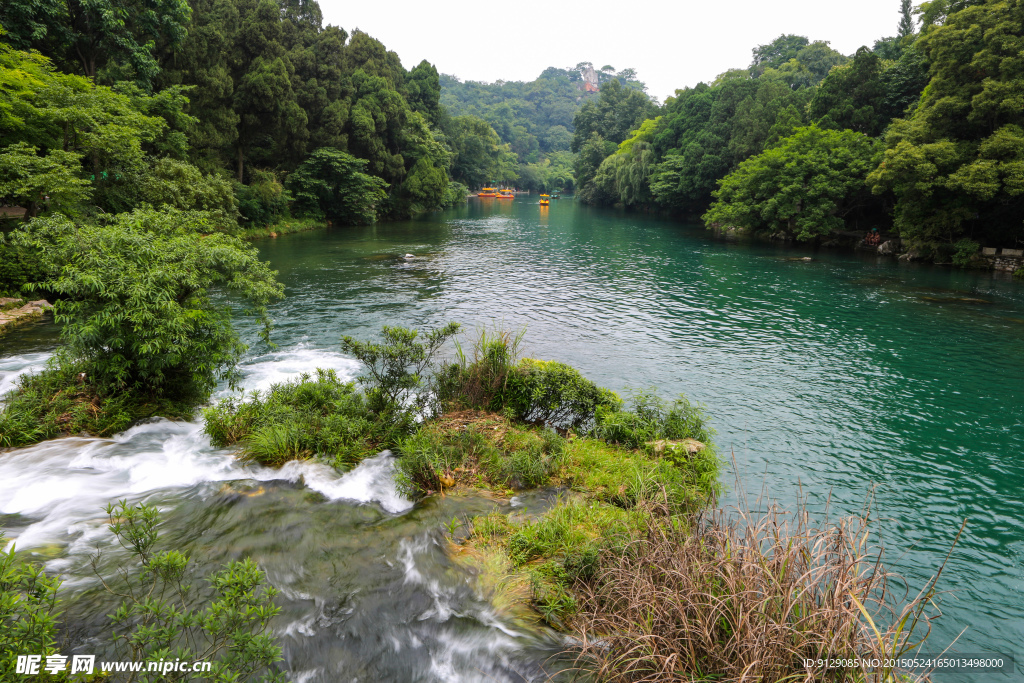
x=747 y=598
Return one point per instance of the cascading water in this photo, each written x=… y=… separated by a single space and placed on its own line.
x=367 y=589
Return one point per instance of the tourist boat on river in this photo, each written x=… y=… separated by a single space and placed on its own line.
x=545 y=199
x=488 y=192
x=506 y=194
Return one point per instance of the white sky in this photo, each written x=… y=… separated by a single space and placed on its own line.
x=670 y=44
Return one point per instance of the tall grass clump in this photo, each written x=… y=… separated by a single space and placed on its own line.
x=492 y=377
x=310 y=417
x=488 y=452
x=652 y=419
x=745 y=599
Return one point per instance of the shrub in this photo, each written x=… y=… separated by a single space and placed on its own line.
x=552 y=393
x=396 y=370
x=455 y=194
x=161 y=617
x=169 y=183
x=58 y=401
x=652 y=419
x=964 y=252
x=480 y=380
x=308 y=417
x=263 y=201
x=134 y=299
x=28 y=611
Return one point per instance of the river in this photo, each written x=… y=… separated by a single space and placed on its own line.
x=831 y=377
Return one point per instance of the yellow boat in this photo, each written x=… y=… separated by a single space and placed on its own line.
x=545 y=199
x=505 y=194
x=487 y=192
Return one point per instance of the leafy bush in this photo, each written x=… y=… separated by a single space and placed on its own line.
x=263 y=201
x=320 y=417
x=169 y=183
x=396 y=369
x=161 y=617
x=964 y=252
x=19 y=266
x=455 y=194
x=332 y=184
x=480 y=381
x=134 y=298
x=552 y=393
x=28 y=611
x=652 y=419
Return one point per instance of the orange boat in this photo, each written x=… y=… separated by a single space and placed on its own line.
x=545 y=199
x=487 y=192
x=505 y=194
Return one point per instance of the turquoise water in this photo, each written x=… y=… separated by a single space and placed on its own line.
x=839 y=379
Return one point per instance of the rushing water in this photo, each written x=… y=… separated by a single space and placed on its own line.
x=838 y=378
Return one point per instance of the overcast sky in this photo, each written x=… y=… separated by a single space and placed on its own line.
x=670 y=44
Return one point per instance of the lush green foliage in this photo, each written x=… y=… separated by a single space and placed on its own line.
x=30 y=180
x=28 y=611
x=309 y=417
x=650 y=420
x=134 y=298
x=332 y=184
x=161 y=617
x=534 y=391
x=956 y=165
x=521 y=459
x=803 y=186
x=950 y=168
x=58 y=401
x=396 y=368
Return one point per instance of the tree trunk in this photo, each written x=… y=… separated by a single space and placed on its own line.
x=241 y=163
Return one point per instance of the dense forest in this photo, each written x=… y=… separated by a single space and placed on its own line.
x=214 y=105
x=920 y=135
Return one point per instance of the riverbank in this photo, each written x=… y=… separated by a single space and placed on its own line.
x=285 y=226
x=16 y=311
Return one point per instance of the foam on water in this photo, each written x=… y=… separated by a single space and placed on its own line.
x=58 y=488
x=13 y=367
x=282 y=365
x=372 y=480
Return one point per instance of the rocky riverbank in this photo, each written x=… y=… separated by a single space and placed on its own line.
x=14 y=312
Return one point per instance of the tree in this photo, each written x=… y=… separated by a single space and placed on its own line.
x=956 y=164
x=134 y=298
x=616 y=113
x=803 y=187
x=333 y=184
x=30 y=180
x=98 y=37
x=906 y=25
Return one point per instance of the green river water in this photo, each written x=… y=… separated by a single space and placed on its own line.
x=837 y=379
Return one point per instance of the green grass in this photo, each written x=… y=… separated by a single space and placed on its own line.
x=490 y=452
x=310 y=417
x=55 y=403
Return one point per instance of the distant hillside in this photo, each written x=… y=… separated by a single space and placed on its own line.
x=534 y=117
